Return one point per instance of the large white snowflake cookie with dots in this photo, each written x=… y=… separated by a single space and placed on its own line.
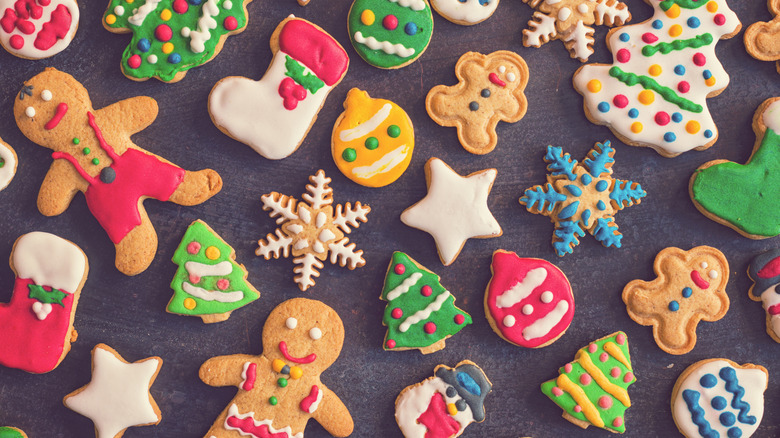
x=655 y=91
x=572 y=22
x=312 y=229
x=37 y=29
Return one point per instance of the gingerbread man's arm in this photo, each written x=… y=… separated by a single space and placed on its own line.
x=130 y=115
x=227 y=370
x=59 y=187
x=333 y=415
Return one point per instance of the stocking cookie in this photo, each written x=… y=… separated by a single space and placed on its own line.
x=528 y=302
x=209 y=283
x=762 y=39
x=690 y=287
x=465 y=12
x=11 y=432
x=390 y=33
x=571 y=21
x=172 y=36
x=655 y=92
x=8 y=161
x=311 y=229
x=490 y=89
x=273 y=115
x=443 y=405
x=93 y=154
x=719 y=398
x=280 y=390
x=37 y=326
x=582 y=197
x=764 y=270
x=373 y=140
x=749 y=204
x=37 y=29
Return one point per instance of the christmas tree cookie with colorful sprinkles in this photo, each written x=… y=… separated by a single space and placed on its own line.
x=593 y=389
x=655 y=92
x=209 y=283
x=420 y=312
x=172 y=36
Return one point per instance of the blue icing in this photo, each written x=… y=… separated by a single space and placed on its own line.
x=734 y=432
x=674 y=306
x=686 y=293
x=708 y=380
x=719 y=403
x=601 y=159
x=533 y=197
x=603 y=107
x=566 y=233
x=586 y=179
x=559 y=163
x=606 y=232
x=625 y=37
x=624 y=193
x=468 y=383
x=707 y=133
x=574 y=190
x=410 y=28
x=729 y=375
x=585 y=217
x=677 y=117
x=569 y=210
x=707 y=74
x=602 y=185
x=694 y=22
x=658 y=24
x=601 y=205
x=727 y=419
x=633 y=113
x=670 y=137
x=691 y=399
x=679 y=69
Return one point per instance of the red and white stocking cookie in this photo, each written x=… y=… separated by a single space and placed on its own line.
x=37 y=29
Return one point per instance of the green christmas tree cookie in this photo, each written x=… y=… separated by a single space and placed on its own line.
x=420 y=312
x=209 y=283
x=593 y=389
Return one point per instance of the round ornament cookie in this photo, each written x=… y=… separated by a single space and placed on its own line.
x=37 y=29
x=465 y=12
x=390 y=33
x=528 y=302
x=373 y=140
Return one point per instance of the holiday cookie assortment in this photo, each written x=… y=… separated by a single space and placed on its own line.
x=653 y=94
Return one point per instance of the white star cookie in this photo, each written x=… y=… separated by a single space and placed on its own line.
x=118 y=396
x=455 y=208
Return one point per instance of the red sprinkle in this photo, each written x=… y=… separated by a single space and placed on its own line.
x=194 y=279
x=230 y=23
x=390 y=22
x=628 y=377
x=662 y=118
x=459 y=319
x=620 y=101
x=557 y=391
x=163 y=33
x=605 y=402
x=399 y=269
x=193 y=247
x=720 y=19
x=603 y=357
x=426 y=291
x=134 y=61
x=617 y=422
x=592 y=348
x=17 y=42
x=181 y=6
x=649 y=38
x=397 y=313
x=390 y=343
x=585 y=379
x=699 y=59
x=615 y=372
x=223 y=283
x=623 y=55
x=620 y=338
x=684 y=87
x=429 y=328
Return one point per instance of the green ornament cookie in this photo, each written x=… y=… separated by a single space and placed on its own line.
x=11 y=432
x=390 y=33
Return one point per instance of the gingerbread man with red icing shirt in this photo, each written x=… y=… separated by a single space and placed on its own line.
x=280 y=390
x=93 y=154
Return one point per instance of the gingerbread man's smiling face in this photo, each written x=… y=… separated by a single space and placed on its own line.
x=305 y=333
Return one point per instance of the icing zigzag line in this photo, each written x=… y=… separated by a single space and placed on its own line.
x=732 y=385
x=649 y=83
x=697 y=414
x=665 y=48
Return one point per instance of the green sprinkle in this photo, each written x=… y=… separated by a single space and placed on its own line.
x=95 y=161
x=76 y=141
x=282 y=382
x=372 y=143
x=273 y=401
x=649 y=83
x=86 y=151
x=349 y=155
x=393 y=131
x=2 y=162
x=665 y=48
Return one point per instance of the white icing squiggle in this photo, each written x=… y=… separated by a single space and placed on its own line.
x=204 y=270
x=385 y=46
x=404 y=286
x=415 y=5
x=206 y=23
x=140 y=15
x=382 y=165
x=424 y=313
x=542 y=326
x=212 y=295
x=522 y=289
x=368 y=126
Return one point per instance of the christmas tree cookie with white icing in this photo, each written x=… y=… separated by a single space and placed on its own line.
x=655 y=92
x=8 y=162
x=420 y=312
x=764 y=270
x=208 y=283
x=37 y=29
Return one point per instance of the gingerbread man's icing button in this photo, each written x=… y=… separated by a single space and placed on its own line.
x=37 y=29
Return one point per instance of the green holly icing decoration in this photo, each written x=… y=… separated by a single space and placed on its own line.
x=745 y=196
x=420 y=312
x=172 y=36
x=209 y=283
x=297 y=71
x=39 y=293
x=594 y=387
x=390 y=33
x=11 y=432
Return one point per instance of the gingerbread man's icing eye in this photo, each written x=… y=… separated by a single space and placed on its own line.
x=30 y=112
x=704 y=265
x=315 y=333
x=291 y=323
x=510 y=77
x=46 y=95
x=713 y=274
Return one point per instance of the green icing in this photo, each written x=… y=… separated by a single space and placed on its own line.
x=685 y=4
x=592 y=390
x=163 y=69
x=39 y=293
x=201 y=233
x=10 y=432
x=649 y=83
x=745 y=195
x=690 y=43
x=413 y=301
x=296 y=71
x=422 y=21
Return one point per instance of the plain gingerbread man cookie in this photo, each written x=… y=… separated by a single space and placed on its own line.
x=93 y=154
x=762 y=39
x=280 y=390
x=489 y=89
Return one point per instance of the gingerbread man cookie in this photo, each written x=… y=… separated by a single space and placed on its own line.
x=8 y=161
x=490 y=89
x=690 y=287
x=762 y=39
x=280 y=390
x=93 y=154
x=764 y=270
x=37 y=29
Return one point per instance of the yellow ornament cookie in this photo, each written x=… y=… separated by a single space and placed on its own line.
x=373 y=140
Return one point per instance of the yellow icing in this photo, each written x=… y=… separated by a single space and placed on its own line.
x=588 y=409
x=617 y=353
x=602 y=380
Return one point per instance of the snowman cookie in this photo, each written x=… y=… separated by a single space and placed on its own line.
x=8 y=161
x=764 y=270
x=280 y=390
x=390 y=33
x=443 y=405
x=465 y=12
x=93 y=154
x=37 y=29
x=273 y=115
x=373 y=140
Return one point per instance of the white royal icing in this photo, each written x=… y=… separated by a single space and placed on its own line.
x=415 y=5
x=140 y=14
x=8 y=170
x=49 y=260
x=385 y=46
x=469 y=11
x=212 y=295
x=771 y=117
x=29 y=50
x=206 y=23
x=404 y=286
x=425 y=313
x=41 y=310
x=414 y=401
x=204 y=270
x=291 y=323
x=522 y=289
x=543 y=325
x=368 y=126
x=384 y=164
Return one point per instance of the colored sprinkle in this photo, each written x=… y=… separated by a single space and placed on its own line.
x=677 y=117
x=675 y=31
x=699 y=59
x=230 y=23
x=189 y=303
x=473 y=106
x=603 y=107
x=95 y=161
x=646 y=97
x=223 y=283
x=86 y=151
x=585 y=379
x=296 y=373
x=163 y=32
x=662 y=118
x=719 y=403
x=282 y=382
x=655 y=70
x=634 y=113
x=426 y=291
x=624 y=37
x=390 y=22
x=144 y=45
x=174 y=58
x=349 y=155
x=397 y=313
x=557 y=391
x=620 y=101
x=167 y=48
x=371 y=143
x=708 y=133
x=577 y=408
x=679 y=70
x=710 y=82
x=594 y=85
x=628 y=377
x=110 y=19
x=683 y=87
x=673 y=11
x=615 y=372
x=460 y=319
x=180 y=6
x=707 y=74
x=670 y=137
x=212 y=253
x=617 y=422
x=134 y=61
x=620 y=338
x=165 y=15
x=410 y=28
x=273 y=401
x=76 y=140
x=623 y=56
x=367 y=17
x=650 y=84
x=193 y=247
x=393 y=131
x=720 y=19
x=485 y=93
x=429 y=328
x=692 y=127
x=687 y=292
x=690 y=43
x=658 y=24
x=605 y=402
x=708 y=380
x=567 y=367
x=603 y=357
x=674 y=306
x=592 y=348
x=399 y=269
x=712 y=6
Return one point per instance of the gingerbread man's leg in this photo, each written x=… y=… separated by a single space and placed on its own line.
x=135 y=252
x=197 y=187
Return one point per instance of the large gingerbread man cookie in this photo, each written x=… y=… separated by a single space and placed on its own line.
x=93 y=154
x=690 y=287
x=489 y=89
x=762 y=39
x=280 y=390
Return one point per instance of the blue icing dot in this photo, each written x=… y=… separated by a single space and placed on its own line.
x=601 y=205
x=694 y=22
x=633 y=113
x=585 y=217
x=484 y=2
x=679 y=70
x=670 y=137
x=719 y=403
x=734 y=432
x=708 y=380
x=586 y=179
x=410 y=28
x=196 y=2
x=687 y=292
x=625 y=37
x=569 y=210
x=602 y=185
x=707 y=74
x=603 y=107
x=574 y=190
x=674 y=306
x=676 y=117
x=174 y=58
x=727 y=419
x=144 y=45
x=658 y=24
x=468 y=383
x=707 y=133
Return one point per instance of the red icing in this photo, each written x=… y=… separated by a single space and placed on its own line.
x=138 y=174
x=720 y=19
x=699 y=59
x=620 y=101
x=56 y=29
x=662 y=118
x=683 y=87
x=771 y=269
x=620 y=339
x=308 y=359
x=649 y=38
x=315 y=49
x=438 y=421
x=698 y=281
x=496 y=80
x=247 y=426
x=508 y=270
x=28 y=343
x=399 y=269
x=585 y=379
x=193 y=247
x=605 y=402
x=17 y=42
x=310 y=399
x=230 y=23
x=62 y=109
x=194 y=279
x=623 y=55
x=251 y=376
x=774 y=310
x=291 y=92
x=390 y=22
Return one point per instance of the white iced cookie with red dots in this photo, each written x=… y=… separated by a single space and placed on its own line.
x=37 y=29
x=465 y=12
